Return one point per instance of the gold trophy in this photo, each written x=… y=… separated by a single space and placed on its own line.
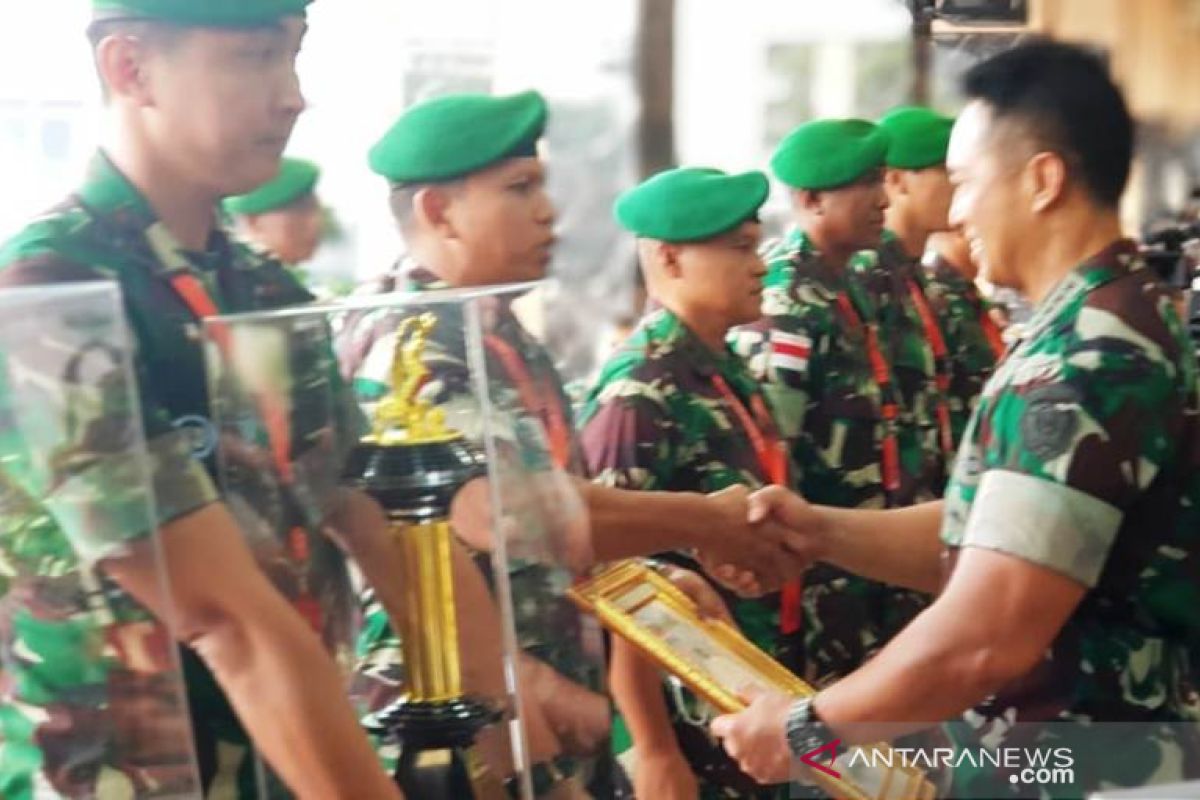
x=413 y=465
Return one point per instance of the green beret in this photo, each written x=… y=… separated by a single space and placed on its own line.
x=829 y=153
x=201 y=13
x=691 y=204
x=458 y=134
x=296 y=178
x=919 y=137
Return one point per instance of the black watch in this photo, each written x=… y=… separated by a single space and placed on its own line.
x=806 y=731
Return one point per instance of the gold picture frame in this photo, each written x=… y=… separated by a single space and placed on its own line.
x=715 y=661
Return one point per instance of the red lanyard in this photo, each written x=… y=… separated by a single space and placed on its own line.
x=538 y=401
x=768 y=449
x=941 y=362
x=275 y=419
x=772 y=459
x=890 y=447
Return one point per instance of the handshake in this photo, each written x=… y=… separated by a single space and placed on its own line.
x=764 y=539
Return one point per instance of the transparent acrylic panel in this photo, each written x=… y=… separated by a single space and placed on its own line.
x=92 y=702
x=354 y=503
x=546 y=543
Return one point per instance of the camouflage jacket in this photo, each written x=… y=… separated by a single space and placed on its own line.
x=962 y=313
x=655 y=420
x=1083 y=458
x=816 y=371
x=888 y=277
x=61 y=615
x=814 y=366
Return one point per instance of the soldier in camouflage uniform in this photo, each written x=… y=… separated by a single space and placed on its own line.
x=918 y=343
x=918 y=203
x=674 y=409
x=478 y=215
x=560 y=672
x=1070 y=549
x=287 y=691
x=825 y=369
x=973 y=340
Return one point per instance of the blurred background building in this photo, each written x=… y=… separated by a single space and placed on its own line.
x=635 y=85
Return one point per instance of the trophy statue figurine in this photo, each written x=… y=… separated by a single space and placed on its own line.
x=413 y=464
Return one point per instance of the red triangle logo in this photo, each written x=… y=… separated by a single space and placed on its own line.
x=810 y=757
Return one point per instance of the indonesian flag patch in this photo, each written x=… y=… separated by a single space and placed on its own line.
x=789 y=351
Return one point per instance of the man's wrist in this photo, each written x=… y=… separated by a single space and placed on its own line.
x=828 y=532
x=703 y=519
x=805 y=730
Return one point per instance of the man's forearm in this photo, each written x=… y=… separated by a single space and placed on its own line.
x=627 y=523
x=636 y=686
x=283 y=685
x=913 y=683
x=898 y=546
x=290 y=697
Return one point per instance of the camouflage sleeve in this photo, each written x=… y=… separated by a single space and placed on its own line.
x=779 y=351
x=94 y=481
x=1071 y=441
x=627 y=442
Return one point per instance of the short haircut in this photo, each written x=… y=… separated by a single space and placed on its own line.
x=1065 y=99
x=155 y=34
x=402 y=197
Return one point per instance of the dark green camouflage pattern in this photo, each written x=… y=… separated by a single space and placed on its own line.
x=829 y=408
x=54 y=602
x=655 y=421
x=1083 y=458
x=885 y=275
x=962 y=314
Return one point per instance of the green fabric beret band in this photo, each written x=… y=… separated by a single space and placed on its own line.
x=201 y=13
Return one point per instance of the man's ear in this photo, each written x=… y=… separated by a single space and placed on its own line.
x=895 y=181
x=431 y=207
x=123 y=62
x=248 y=223
x=808 y=200
x=668 y=256
x=1045 y=180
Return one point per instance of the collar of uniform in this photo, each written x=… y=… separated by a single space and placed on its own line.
x=107 y=192
x=664 y=330
x=893 y=256
x=414 y=277
x=901 y=263
x=799 y=243
x=417 y=278
x=1114 y=261
x=945 y=272
x=804 y=252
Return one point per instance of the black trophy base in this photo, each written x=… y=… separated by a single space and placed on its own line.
x=434 y=739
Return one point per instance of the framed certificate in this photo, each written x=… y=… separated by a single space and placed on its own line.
x=714 y=660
